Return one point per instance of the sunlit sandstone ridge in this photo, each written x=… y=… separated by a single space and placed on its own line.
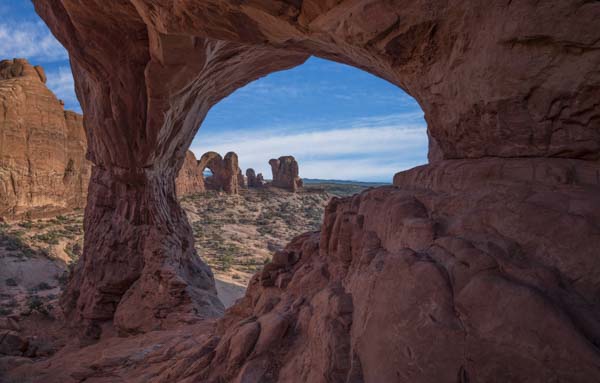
x=43 y=169
x=481 y=266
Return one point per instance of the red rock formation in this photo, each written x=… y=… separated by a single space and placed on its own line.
x=453 y=274
x=225 y=172
x=190 y=179
x=43 y=169
x=254 y=180
x=467 y=285
x=285 y=173
x=485 y=275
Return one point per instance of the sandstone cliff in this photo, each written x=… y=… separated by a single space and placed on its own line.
x=43 y=169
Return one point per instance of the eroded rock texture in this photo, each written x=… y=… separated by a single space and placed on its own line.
x=468 y=270
x=43 y=169
x=464 y=271
x=285 y=173
x=226 y=173
x=254 y=180
x=190 y=179
x=430 y=281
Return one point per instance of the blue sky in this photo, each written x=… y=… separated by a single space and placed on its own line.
x=338 y=121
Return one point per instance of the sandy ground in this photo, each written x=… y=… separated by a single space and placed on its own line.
x=228 y=291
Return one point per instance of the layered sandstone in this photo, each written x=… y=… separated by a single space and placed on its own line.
x=43 y=169
x=487 y=275
x=285 y=173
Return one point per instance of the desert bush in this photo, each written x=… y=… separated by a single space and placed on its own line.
x=26 y=224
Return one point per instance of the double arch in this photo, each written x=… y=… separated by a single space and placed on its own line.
x=147 y=72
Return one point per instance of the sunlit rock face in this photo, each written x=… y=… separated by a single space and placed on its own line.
x=473 y=269
x=43 y=169
x=285 y=173
x=190 y=179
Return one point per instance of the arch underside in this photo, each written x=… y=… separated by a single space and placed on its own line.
x=510 y=93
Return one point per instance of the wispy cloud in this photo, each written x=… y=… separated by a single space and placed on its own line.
x=31 y=40
x=372 y=148
x=61 y=82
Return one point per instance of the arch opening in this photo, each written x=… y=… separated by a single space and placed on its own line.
x=346 y=130
x=339 y=122
x=144 y=101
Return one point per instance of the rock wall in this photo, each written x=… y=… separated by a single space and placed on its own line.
x=285 y=173
x=43 y=169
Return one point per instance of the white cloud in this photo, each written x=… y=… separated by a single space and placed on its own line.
x=371 y=148
x=61 y=82
x=31 y=40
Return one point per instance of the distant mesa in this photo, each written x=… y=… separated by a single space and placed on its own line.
x=285 y=173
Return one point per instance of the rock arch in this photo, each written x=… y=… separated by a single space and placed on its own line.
x=503 y=80
x=226 y=172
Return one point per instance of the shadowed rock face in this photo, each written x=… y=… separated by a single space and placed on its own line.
x=43 y=169
x=461 y=269
x=285 y=173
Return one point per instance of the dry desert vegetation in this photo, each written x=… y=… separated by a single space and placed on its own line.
x=235 y=234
